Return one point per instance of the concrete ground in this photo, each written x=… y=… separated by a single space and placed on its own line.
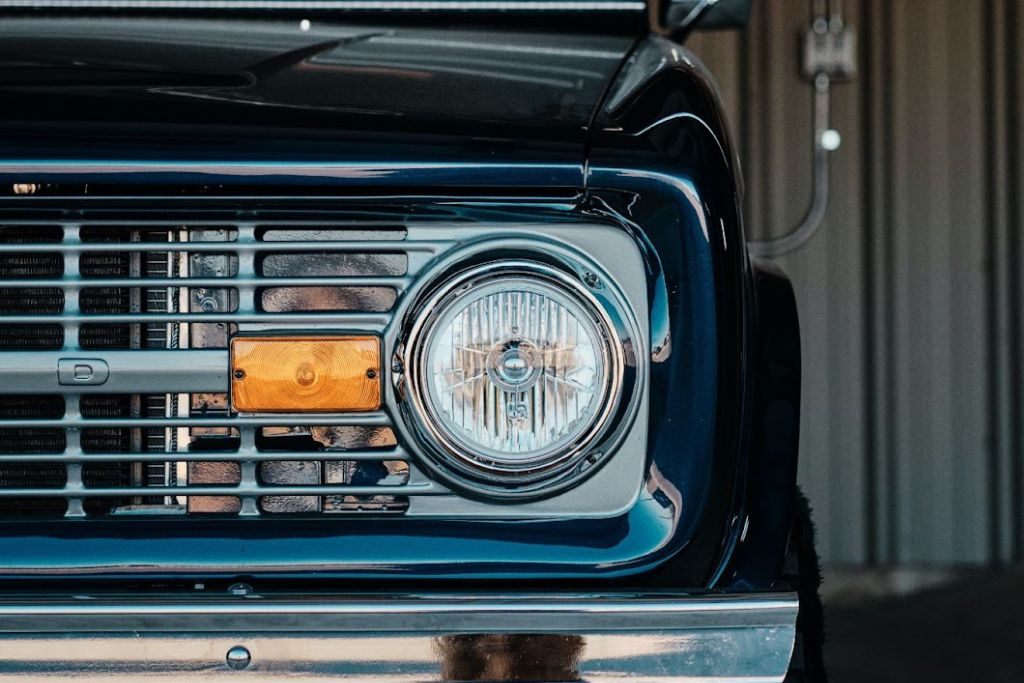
x=970 y=629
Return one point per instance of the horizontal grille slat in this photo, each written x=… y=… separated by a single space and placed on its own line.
x=110 y=283
x=212 y=456
x=241 y=490
x=340 y=318
x=349 y=419
x=428 y=246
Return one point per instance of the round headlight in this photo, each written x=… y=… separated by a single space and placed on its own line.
x=513 y=369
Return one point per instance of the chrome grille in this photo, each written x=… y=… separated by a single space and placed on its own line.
x=157 y=301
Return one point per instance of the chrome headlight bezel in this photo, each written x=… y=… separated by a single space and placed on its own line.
x=471 y=470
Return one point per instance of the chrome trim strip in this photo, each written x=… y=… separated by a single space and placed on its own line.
x=421 y=638
x=392 y=281
x=352 y=5
x=68 y=247
x=70 y=457
x=238 y=490
x=372 y=419
x=343 y=319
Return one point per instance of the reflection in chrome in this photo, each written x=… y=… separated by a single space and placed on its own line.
x=344 y=298
x=353 y=437
x=366 y=472
x=510 y=657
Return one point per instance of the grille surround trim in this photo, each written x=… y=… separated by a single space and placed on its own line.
x=428 y=246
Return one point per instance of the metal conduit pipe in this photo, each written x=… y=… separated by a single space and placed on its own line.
x=822 y=62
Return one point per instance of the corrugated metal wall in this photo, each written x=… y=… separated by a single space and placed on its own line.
x=910 y=295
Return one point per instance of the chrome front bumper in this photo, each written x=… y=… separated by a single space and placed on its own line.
x=654 y=637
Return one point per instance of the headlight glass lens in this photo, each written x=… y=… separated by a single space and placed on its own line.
x=516 y=371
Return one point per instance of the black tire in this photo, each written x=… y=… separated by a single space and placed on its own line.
x=804 y=571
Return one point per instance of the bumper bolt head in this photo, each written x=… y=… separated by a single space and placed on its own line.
x=238 y=658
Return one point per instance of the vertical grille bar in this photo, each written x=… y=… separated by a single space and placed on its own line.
x=72 y=288
x=249 y=478
x=246 y=268
x=247 y=305
x=72 y=406
x=73 y=436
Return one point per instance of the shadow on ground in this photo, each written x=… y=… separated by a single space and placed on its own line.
x=967 y=631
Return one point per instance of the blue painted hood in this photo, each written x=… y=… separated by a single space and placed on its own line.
x=94 y=87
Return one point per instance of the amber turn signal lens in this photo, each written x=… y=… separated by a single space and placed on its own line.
x=305 y=374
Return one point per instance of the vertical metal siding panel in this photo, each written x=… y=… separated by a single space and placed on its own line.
x=966 y=265
x=876 y=108
x=826 y=275
x=1006 y=302
x=998 y=503
x=962 y=271
x=909 y=293
x=938 y=297
x=890 y=513
x=897 y=311
x=1013 y=293
x=839 y=248
x=787 y=133
x=755 y=75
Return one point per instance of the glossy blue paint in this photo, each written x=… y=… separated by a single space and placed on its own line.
x=194 y=89
x=656 y=161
